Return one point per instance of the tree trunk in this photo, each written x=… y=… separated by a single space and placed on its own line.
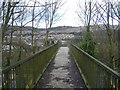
x=119 y=37
x=0 y=46
x=7 y=18
x=110 y=39
x=33 y=44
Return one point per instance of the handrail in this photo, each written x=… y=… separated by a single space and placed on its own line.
x=25 y=60
x=25 y=73
x=95 y=72
x=108 y=69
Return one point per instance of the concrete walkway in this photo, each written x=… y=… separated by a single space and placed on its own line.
x=61 y=73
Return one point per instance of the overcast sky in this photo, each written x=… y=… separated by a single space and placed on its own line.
x=70 y=17
x=69 y=9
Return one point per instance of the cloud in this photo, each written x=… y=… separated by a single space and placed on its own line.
x=69 y=18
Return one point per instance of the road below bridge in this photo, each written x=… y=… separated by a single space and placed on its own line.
x=61 y=72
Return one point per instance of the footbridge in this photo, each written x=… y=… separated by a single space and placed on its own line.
x=60 y=67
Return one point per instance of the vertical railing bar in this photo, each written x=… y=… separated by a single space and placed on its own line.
x=11 y=73
x=105 y=67
x=107 y=75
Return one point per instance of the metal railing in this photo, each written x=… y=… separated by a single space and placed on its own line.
x=26 y=73
x=95 y=73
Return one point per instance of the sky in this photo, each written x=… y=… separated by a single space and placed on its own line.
x=70 y=17
x=68 y=10
x=71 y=6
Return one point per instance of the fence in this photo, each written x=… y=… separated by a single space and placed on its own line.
x=25 y=73
x=95 y=73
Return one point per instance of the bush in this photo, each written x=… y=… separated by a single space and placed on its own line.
x=88 y=44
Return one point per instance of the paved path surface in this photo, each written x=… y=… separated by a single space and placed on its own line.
x=61 y=73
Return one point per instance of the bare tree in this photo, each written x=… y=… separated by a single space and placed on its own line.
x=21 y=20
x=10 y=6
x=118 y=9
x=119 y=35
x=15 y=13
x=107 y=15
x=33 y=44
x=87 y=16
x=102 y=13
x=51 y=9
